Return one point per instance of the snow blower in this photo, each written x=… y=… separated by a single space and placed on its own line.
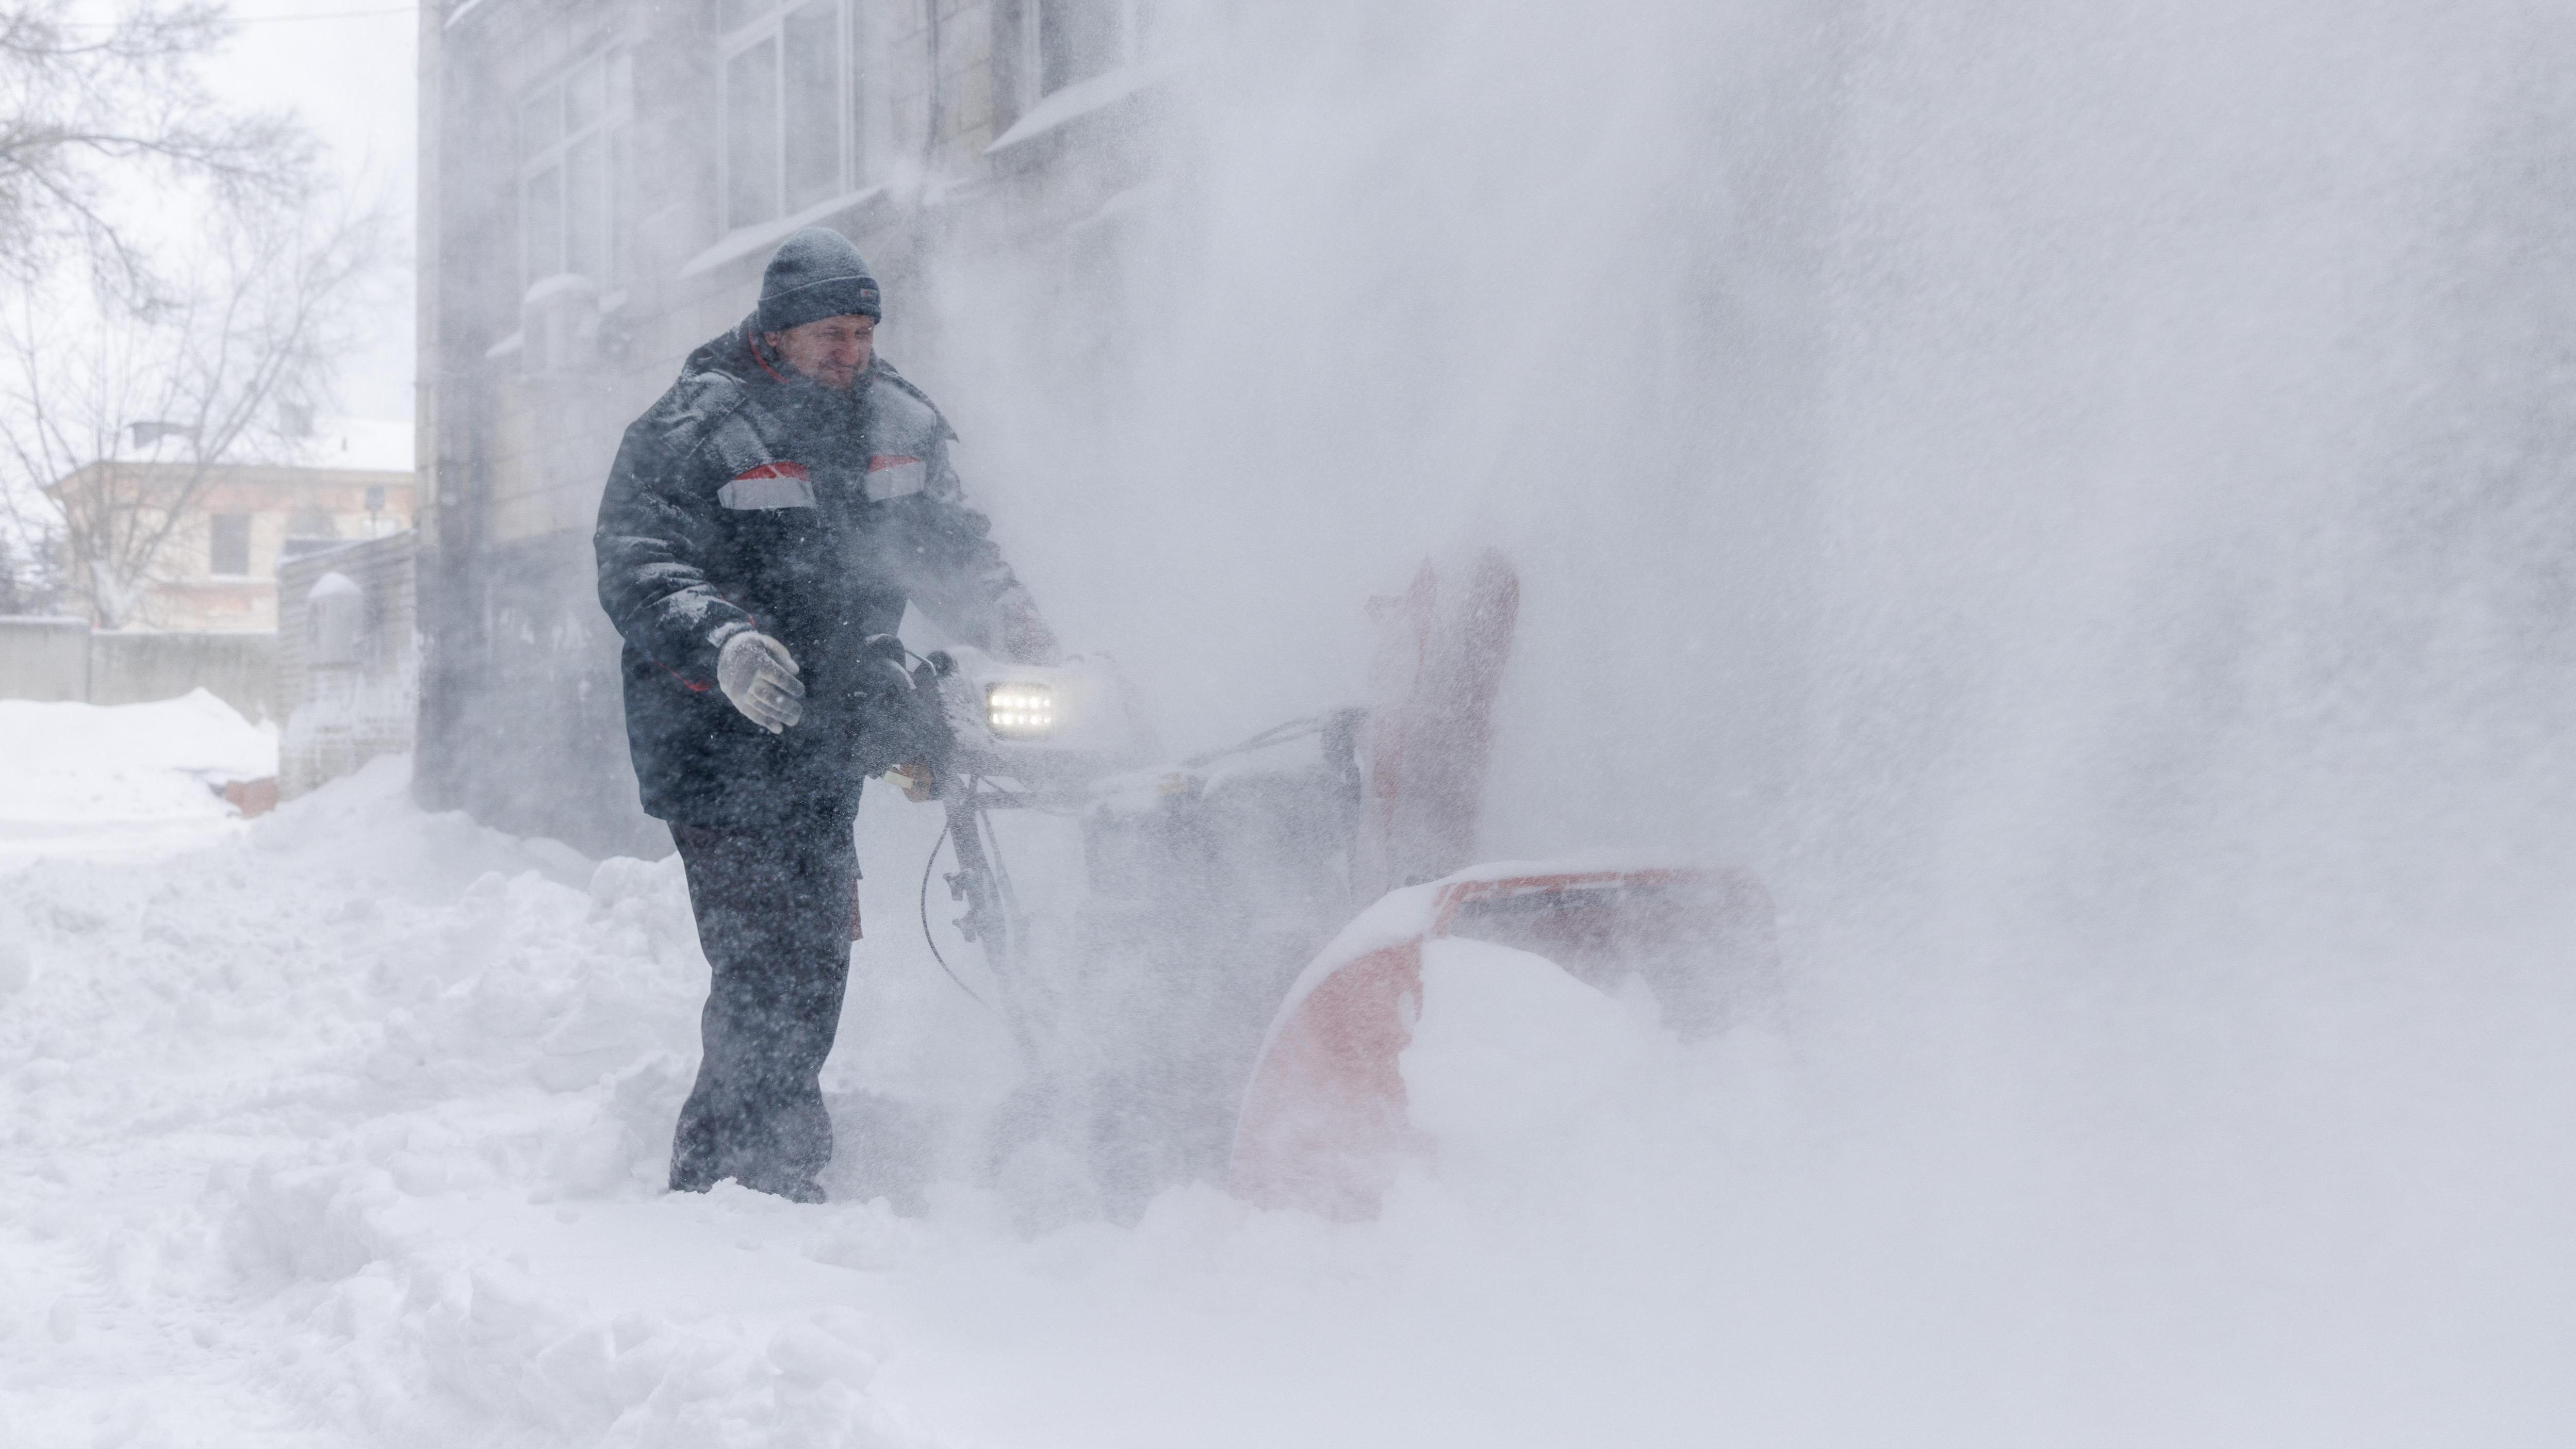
x=1243 y=1018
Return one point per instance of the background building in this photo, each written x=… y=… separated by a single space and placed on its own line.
x=601 y=186
x=217 y=568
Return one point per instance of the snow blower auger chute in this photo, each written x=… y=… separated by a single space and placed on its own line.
x=1214 y=882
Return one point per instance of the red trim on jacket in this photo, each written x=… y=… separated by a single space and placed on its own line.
x=751 y=340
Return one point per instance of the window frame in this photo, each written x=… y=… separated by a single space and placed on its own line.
x=610 y=132
x=1033 y=49
x=853 y=88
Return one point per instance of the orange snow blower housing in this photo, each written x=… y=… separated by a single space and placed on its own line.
x=1323 y=1125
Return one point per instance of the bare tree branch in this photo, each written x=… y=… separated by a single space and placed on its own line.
x=251 y=312
x=257 y=319
x=83 y=115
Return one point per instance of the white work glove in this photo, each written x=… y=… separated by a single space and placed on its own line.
x=758 y=674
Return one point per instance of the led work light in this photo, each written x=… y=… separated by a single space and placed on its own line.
x=1019 y=711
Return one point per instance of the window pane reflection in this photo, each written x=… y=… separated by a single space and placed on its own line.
x=751 y=142
x=543 y=225
x=585 y=208
x=813 y=136
x=540 y=121
x=581 y=98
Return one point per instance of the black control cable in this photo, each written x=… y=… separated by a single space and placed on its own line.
x=932 y=941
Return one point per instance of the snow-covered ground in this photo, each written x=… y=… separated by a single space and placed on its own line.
x=122 y=781
x=346 y=1127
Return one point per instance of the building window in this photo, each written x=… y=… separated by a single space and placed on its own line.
x=228 y=536
x=575 y=187
x=1071 y=41
x=792 y=136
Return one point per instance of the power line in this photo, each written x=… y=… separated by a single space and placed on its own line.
x=324 y=15
x=263 y=19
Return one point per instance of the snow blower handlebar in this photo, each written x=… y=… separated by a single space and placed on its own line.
x=916 y=739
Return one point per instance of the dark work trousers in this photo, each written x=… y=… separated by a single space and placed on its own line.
x=774 y=908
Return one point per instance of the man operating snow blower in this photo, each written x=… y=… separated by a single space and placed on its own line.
x=766 y=521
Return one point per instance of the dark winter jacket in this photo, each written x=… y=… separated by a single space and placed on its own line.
x=749 y=498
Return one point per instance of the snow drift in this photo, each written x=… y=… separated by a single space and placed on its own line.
x=82 y=769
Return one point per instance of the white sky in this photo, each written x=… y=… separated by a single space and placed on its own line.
x=353 y=81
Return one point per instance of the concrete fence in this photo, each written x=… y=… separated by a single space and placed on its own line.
x=45 y=658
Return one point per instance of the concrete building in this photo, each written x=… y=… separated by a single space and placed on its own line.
x=216 y=571
x=601 y=185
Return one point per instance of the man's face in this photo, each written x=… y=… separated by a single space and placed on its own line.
x=832 y=351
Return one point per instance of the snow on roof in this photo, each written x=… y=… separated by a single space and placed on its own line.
x=167 y=449
x=374 y=444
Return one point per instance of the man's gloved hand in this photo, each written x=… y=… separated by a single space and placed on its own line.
x=882 y=674
x=758 y=674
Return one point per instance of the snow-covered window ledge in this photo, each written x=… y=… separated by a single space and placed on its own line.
x=561 y=284
x=1124 y=203
x=1081 y=99
x=861 y=206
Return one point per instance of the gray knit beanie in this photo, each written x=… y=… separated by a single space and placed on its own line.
x=816 y=273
